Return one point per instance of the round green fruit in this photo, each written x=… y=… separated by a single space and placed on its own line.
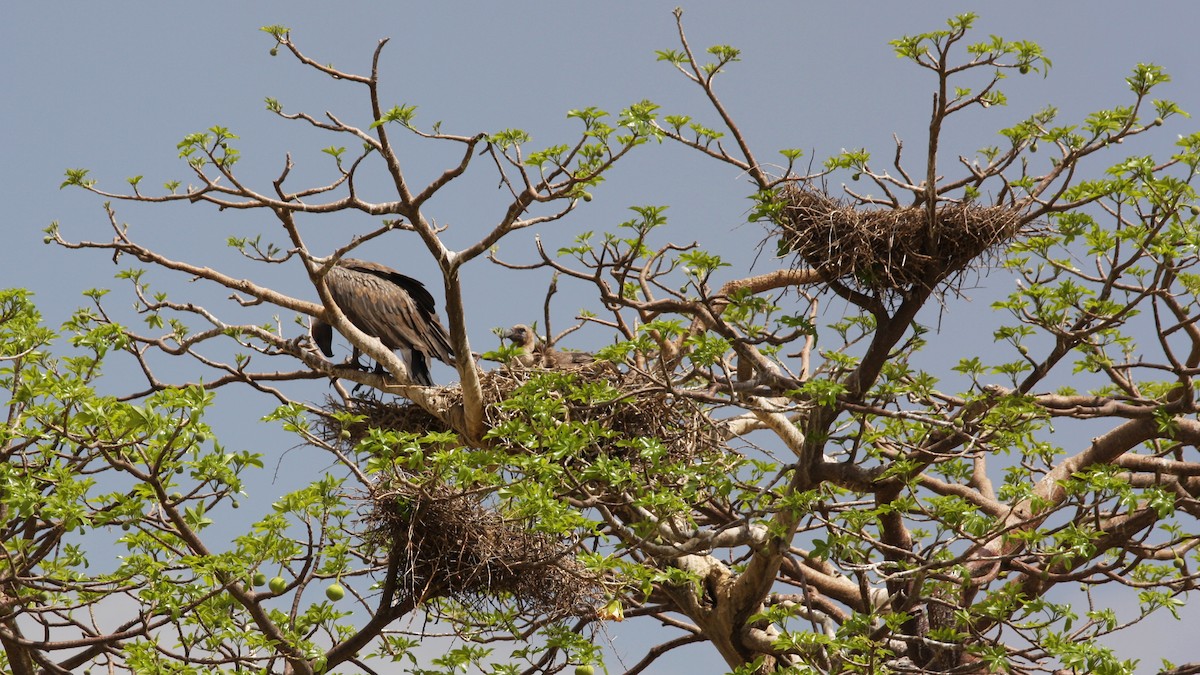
x=259 y=579
x=335 y=592
x=584 y=670
x=277 y=585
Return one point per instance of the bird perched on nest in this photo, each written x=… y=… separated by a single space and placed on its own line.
x=386 y=304
x=535 y=354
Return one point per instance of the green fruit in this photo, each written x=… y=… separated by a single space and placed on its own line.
x=277 y=585
x=259 y=579
x=1024 y=70
x=335 y=592
x=1195 y=210
x=584 y=670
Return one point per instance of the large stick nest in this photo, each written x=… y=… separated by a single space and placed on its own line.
x=889 y=251
x=636 y=408
x=448 y=544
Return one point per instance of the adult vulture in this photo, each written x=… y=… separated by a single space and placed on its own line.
x=386 y=304
x=532 y=353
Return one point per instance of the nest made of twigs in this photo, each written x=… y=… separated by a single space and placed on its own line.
x=637 y=408
x=889 y=250
x=448 y=544
x=376 y=413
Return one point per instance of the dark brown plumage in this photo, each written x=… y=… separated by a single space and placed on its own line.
x=386 y=304
x=534 y=353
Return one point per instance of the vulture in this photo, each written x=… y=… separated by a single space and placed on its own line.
x=386 y=304
x=535 y=354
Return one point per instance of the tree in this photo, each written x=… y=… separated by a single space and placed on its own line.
x=794 y=489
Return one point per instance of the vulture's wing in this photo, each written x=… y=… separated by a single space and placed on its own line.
x=391 y=306
x=554 y=358
x=415 y=289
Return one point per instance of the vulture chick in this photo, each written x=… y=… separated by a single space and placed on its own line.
x=533 y=354
x=386 y=304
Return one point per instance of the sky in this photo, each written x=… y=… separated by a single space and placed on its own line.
x=114 y=86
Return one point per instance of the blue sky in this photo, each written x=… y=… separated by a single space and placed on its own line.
x=114 y=86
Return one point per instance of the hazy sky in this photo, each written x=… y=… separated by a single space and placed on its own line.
x=114 y=86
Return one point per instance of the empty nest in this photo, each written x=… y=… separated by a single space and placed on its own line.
x=889 y=250
x=448 y=544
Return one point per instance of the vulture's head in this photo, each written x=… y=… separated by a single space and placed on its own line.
x=521 y=336
x=322 y=335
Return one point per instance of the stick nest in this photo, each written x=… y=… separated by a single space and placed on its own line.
x=448 y=543
x=889 y=251
x=635 y=407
